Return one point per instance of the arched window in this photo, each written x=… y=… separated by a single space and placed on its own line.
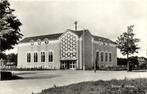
x=110 y=57
x=35 y=57
x=97 y=56
x=28 y=57
x=50 y=56
x=106 y=57
x=42 y=56
x=102 y=56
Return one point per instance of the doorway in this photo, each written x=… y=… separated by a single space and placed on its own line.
x=69 y=64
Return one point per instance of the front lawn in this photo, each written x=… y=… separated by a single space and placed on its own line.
x=126 y=86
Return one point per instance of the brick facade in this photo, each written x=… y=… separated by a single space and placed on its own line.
x=70 y=50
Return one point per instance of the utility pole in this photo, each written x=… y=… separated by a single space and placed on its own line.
x=0 y=54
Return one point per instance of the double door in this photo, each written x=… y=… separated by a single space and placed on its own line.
x=68 y=65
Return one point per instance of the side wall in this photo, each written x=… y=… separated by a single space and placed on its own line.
x=25 y=48
x=99 y=47
x=87 y=50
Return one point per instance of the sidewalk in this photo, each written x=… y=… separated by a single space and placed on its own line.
x=35 y=81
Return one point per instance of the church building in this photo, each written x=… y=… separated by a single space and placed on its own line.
x=72 y=49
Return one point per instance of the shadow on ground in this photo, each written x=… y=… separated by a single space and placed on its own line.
x=139 y=71
x=41 y=77
x=24 y=73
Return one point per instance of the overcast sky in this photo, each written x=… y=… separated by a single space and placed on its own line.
x=106 y=18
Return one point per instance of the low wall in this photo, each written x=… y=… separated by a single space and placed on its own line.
x=5 y=75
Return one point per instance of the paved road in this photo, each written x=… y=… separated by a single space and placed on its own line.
x=35 y=81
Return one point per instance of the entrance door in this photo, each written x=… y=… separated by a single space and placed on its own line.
x=72 y=65
x=68 y=65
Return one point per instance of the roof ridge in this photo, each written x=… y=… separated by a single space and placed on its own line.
x=49 y=36
x=107 y=39
x=43 y=35
x=57 y=35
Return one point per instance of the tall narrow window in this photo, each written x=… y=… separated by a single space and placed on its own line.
x=110 y=57
x=102 y=56
x=35 y=57
x=28 y=57
x=42 y=56
x=106 y=57
x=50 y=56
x=97 y=56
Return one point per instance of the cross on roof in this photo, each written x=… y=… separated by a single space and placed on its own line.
x=75 y=25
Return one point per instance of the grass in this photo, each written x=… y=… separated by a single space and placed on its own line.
x=126 y=86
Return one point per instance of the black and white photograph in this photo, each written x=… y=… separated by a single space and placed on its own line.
x=73 y=46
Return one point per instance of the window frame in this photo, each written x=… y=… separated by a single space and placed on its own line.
x=110 y=57
x=28 y=57
x=102 y=56
x=35 y=57
x=106 y=56
x=50 y=56
x=97 y=55
x=42 y=56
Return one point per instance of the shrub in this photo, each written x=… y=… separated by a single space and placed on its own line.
x=126 y=86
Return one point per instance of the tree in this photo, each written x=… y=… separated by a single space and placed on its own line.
x=9 y=27
x=12 y=58
x=127 y=43
x=3 y=56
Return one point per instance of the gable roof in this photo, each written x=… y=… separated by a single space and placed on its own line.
x=56 y=36
x=98 y=38
x=50 y=36
x=79 y=32
x=42 y=37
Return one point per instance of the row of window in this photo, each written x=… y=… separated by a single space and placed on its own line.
x=46 y=41
x=43 y=56
x=100 y=56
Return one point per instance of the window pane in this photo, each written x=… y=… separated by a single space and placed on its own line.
x=102 y=56
x=42 y=56
x=110 y=57
x=28 y=57
x=50 y=57
x=106 y=56
x=97 y=56
x=35 y=57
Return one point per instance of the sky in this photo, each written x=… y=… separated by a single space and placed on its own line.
x=106 y=18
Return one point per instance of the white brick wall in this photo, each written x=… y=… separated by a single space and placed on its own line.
x=26 y=47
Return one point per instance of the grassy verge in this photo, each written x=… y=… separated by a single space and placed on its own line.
x=126 y=86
